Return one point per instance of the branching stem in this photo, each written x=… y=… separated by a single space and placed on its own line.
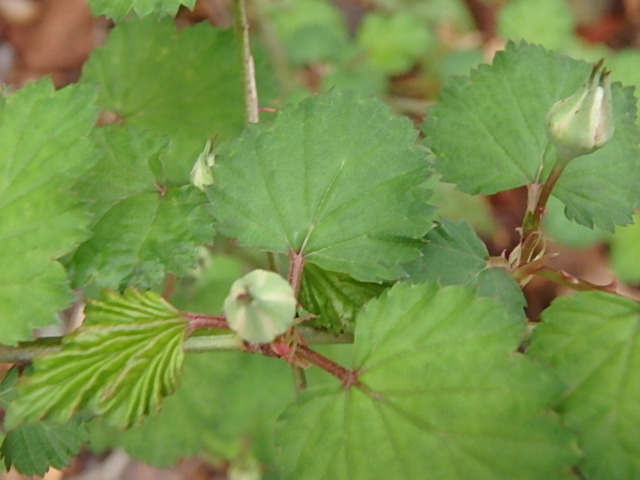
x=348 y=377
x=536 y=209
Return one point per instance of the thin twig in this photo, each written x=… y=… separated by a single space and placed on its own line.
x=248 y=65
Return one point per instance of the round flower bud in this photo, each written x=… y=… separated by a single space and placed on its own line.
x=260 y=306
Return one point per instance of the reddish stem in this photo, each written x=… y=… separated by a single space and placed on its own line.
x=295 y=271
x=348 y=377
x=200 y=320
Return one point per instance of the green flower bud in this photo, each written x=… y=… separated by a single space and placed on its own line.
x=583 y=122
x=260 y=306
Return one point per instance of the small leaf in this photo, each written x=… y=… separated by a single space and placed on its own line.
x=546 y=22
x=335 y=298
x=45 y=149
x=453 y=254
x=443 y=396
x=185 y=85
x=488 y=134
x=260 y=306
x=142 y=228
x=118 y=9
x=33 y=449
x=121 y=364
x=336 y=178
x=394 y=42
x=592 y=339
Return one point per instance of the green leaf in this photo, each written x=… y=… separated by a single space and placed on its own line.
x=118 y=9
x=442 y=395
x=142 y=228
x=33 y=449
x=489 y=135
x=547 y=22
x=310 y=31
x=336 y=178
x=335 y=298
x=44 y=145
x=624 y=252
x=592 y=339
x=123 y=361
x=454 y=255
x=186 y=85
x=221 y=408
x=395 y=42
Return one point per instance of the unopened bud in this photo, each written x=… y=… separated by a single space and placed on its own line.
x=583 y=122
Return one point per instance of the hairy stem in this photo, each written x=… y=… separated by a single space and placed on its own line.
x=248 y=65
x=574 y=283
x=200 y=320
x=295 y=271
x=535 y=211
x=348 y=377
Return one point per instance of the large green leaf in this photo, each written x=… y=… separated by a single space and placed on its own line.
x=121 y=364
x=443 y=396
x=489 y=135
x=44 y=145
x=336 y=178
x=592 y=339
x=142 y=228
x=453 y=254
x=118 y=9
x=186 y=85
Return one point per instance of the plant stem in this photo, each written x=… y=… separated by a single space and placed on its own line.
x=248 y=65
x=299 y=378
x=348 y=377
x=295 y=271
x=214 y=343
x=536 y=210
x=200 y=320
x=25 y=353
x=574 y=283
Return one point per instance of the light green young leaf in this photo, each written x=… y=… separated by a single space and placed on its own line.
x=335 y=298
x=444 y=396
x=489 y=135
x=453 y=254
x=142 y=228
x=221 y=408
x=45 y=149
x=120 y=364
x=336 y=178
x=185 y=85
x=118 y=9
x=33 y=449
x=592 y=339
